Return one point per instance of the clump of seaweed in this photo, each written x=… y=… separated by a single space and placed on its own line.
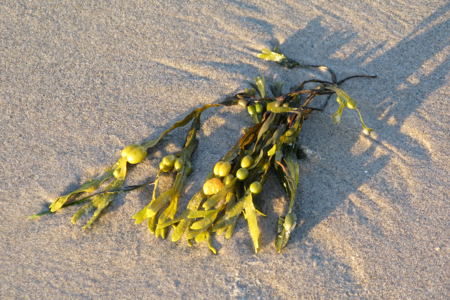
x=229 y=190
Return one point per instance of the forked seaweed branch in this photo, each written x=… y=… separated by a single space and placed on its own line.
x=228 y=192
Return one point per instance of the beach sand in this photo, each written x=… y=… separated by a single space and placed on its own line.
x=80 y=81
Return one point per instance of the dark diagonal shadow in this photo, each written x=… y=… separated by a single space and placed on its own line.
x=399 y=92
x=325 y=186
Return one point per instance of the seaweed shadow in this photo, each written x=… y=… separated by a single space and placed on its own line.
x=328 y=186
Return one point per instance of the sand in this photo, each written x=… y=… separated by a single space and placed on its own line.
x=80 y=81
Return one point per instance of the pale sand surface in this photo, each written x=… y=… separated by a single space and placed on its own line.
x=80 y=81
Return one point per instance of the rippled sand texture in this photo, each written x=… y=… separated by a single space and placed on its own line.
x=79 y=81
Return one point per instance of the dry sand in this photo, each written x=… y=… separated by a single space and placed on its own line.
x=79 y=81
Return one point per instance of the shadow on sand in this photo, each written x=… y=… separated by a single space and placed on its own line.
x=324 y=187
